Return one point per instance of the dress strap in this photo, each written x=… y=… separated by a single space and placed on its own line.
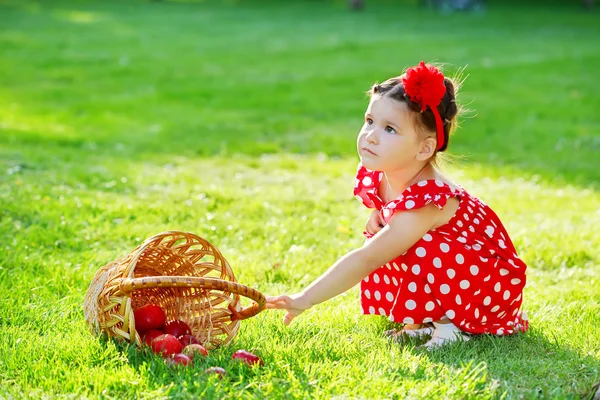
x=366 y=187
x=419 y=195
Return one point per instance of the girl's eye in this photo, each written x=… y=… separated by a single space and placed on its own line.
x=369 y=121
x=389 y=129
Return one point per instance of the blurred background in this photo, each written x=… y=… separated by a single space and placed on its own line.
x=199 y=78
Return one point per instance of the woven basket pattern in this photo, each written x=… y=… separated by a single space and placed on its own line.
x=181 y=272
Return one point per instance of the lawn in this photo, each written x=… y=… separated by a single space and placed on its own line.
x=237 y=121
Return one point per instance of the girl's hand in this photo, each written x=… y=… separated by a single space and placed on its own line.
x=375 y=223
x=294 y=304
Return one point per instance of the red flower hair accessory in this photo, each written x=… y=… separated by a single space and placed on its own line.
x=424 y=84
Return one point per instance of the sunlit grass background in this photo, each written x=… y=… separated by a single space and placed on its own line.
x=237 y=121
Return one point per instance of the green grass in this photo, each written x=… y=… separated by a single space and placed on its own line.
x=119 y=120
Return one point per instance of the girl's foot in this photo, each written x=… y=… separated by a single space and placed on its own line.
x=418 y=331
x=444 y=334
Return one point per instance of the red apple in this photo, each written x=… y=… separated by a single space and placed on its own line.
x=215 y=370
x=166 y=345
x=192 y=350
x=247 y=357
x=150 y=335
x=177 y=328
x=188 y=339
x=149 y=317
x=179 y=359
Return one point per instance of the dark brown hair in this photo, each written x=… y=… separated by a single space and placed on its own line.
x=394 y=89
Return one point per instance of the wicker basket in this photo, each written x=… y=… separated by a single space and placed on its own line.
x=181 y=272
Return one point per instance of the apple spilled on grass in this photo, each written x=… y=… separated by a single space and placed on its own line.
x=174 y=340
x=247 y=357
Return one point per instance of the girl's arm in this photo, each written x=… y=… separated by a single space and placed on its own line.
x=402 y=232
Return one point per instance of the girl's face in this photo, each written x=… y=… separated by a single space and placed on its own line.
x=388 y=140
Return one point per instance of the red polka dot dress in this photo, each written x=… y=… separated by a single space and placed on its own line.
x=466 y=270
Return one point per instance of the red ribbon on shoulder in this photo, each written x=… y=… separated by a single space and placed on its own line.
x=424 y=84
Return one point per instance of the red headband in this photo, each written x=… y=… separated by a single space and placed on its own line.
x=424 y=84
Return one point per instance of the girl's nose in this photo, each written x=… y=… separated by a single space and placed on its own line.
x=371 y=135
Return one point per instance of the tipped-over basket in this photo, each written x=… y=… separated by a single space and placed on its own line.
x=181 y=272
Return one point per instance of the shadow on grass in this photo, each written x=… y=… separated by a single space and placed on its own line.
x=527 y=364
x=197 y=381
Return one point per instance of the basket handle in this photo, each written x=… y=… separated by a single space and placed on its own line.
x=128 y=285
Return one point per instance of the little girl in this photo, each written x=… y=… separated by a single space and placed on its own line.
x=436 y=259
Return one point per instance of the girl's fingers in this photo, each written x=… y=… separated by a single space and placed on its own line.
x=372 y=227
x=374 y=224
x=282 y=301
x=287 y=318
x=288 y=303
x=278 y=299
x=277 y=305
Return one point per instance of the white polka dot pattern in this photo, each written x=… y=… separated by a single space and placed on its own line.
x=469 y=258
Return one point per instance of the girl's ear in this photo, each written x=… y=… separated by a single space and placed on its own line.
x=427 y=149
